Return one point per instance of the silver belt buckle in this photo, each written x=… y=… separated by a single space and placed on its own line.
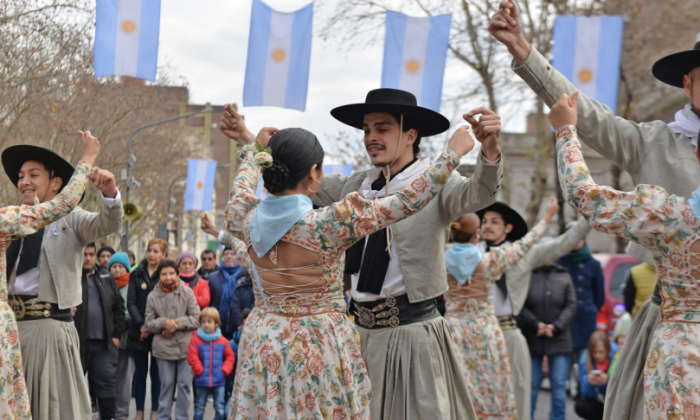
x=368 y=318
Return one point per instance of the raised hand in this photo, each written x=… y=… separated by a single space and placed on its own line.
x=104 y=181
x=265 y=134
x=233 y=126
x=461 y=141
x=487 y=130
x=552 y=209
x=208 y=227
x=91 y=147
x=507 y=28
x=564 y=112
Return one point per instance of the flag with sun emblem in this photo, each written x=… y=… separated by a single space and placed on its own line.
x=415 y=51
x=126 y=38
x=587 y=52
x=200 y=184
x=279 y=57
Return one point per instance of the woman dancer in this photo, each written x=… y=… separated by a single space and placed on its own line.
x=470 y=313
x=18 y=222
x=668 y=226
x=302 y=354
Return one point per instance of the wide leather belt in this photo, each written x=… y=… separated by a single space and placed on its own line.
x=507 y=322
x=30 y=308
x=393 y=312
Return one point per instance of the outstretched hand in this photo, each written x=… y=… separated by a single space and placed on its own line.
x=487 y=130
x=461 y=141
x=233 y=126
x=208 y=227
x=91 y=147
x=564 y=112
x=552 y=209
x=507 y=28
x=265 y=134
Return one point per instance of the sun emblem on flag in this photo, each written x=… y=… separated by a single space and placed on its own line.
x=200 y=185
x=412 y=66
x=278 y=55
x=585 y=75
x=128 y=26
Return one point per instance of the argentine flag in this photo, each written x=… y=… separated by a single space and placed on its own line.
x=587 y=52
x=279 y=56
x=200 y=184
x=126 y=38
x=415 y=51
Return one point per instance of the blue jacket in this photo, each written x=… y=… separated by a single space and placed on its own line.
x=589 y=284
x=588 y=391
x=216 y=287
x=243 y=297
x=211 y=360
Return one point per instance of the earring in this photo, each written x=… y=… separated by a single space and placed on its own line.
x=319 y=184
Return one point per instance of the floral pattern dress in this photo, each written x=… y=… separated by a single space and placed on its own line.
x=17 y=222
x=476 y=334
x=667 y=226
x=301 y=359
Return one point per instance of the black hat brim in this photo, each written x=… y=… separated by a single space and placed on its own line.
x=514 y=218
x=672 y=68
x=15 y=156
x=431 y=122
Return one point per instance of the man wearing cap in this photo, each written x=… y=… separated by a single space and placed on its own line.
x=653 y=153
x=44 y=276
x=397 y=274
x=500 y=224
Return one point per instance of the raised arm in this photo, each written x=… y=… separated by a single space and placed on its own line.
x=558 y=247
x=243 y=199
x=227 y=239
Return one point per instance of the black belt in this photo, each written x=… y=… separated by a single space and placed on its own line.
x=30 y=308
x=507 y=322
x=393 y=312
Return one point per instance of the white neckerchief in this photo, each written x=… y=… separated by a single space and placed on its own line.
x=687 y=123
x=397 y=183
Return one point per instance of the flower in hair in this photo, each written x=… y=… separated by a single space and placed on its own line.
x=263 y=159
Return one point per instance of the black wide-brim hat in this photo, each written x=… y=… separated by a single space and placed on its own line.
x=393 y=101
x=15 y=156
x=511 y=216
x=672 y=68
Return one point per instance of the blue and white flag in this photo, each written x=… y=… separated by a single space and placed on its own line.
x=200 y=184
x=126 y=38
x=587 y=52
x=415 y=52
x=279 y=57
x=343 y=169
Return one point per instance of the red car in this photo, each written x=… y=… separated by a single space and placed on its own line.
x=616 y=268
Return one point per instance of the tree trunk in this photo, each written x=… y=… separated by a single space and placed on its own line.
x=542 y=152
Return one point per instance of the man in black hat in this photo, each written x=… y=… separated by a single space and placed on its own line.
x=44 y=272
x=653 y=153
x=398 y=273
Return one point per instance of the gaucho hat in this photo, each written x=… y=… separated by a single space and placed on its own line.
x=672 y=68
x=393 y=101
x=15 y=156
x=510 y=216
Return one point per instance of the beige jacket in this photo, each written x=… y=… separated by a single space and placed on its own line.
x=181 y=305
x=61 y=260
x=420 y=239
x=651 y=152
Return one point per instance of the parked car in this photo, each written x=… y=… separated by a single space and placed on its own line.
x=616 y=267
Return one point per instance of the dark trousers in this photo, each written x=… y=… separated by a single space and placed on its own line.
x=140 y=375
x=100 y=364
x=589 y=409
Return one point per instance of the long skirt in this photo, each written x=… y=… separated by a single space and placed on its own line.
x=520 y=370
x=415 y=373
x=14 y=401
x=624 y=399
x=55 y=381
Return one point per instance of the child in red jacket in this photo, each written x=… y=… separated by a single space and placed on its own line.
x=212 y=359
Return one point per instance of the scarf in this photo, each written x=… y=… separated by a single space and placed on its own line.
x=31 y=251
x=580 y=255
x=461 y=260
x=209 y=337
x=231 y=275
x=122 y=280
x=370 y=257
x=693 y=202
x=274 y=217
x=190 y=279
x=687 y=123
x=169 y=287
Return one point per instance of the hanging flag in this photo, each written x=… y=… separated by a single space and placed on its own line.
x=344 y=169
x=415 y=51
x=587 y=52
x=279 y=56
x=200 y=184
x=126 y=38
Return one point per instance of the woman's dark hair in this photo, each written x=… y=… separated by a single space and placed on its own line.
x=294 y=152
x=411 y=123
x=165 y=263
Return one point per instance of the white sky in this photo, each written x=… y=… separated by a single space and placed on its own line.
x=206 y=42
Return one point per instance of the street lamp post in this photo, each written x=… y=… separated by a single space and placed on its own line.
x=130 y=160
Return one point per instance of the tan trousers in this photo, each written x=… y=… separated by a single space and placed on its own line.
x=520 y=370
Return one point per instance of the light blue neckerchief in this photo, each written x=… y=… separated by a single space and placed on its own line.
x=461 y=261
x=209 y=337
x=274 y=217
x=694 y=202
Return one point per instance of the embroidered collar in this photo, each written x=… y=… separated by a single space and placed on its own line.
x=274 y=217
x=461 y=260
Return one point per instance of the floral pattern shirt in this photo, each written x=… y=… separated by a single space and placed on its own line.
x=17 y=222
x=666 y=225
x=300 y=359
